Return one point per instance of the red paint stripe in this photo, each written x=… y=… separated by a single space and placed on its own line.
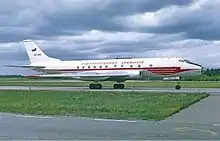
x=157 y=70
x=94 y=69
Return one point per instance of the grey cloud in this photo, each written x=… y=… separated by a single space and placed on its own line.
x=69 y=54
x=40 y=19
x=13 y=34
x=207 y=33
x=200 y=29
x=198 y=20
x=133 y=50
x=101 y=19
x=197 y=28
x=125 y=7
x=18 y=56
x=13 y=54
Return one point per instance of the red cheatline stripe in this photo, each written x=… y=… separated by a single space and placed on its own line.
x=90 y=69
x=113 y=69
x=157 y=70
x=169 y=72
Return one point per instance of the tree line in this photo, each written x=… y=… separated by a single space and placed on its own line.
x=212 y=72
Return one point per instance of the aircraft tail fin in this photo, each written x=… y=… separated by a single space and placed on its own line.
x=35 y=54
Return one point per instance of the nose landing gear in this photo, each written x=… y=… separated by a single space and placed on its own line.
x=177 y=87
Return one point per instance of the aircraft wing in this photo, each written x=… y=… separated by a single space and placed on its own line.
x=88 y=75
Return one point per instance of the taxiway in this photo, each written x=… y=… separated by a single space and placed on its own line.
x=211 y=91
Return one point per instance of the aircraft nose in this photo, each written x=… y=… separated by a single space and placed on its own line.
x=197 y=66
x=197 y=69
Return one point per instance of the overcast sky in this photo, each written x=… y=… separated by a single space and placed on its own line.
x=97 y=29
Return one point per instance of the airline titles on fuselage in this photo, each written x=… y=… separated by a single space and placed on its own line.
x=112 y=62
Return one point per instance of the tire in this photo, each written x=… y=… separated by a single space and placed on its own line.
x=121 y=86
x=92 y=86
x=98 y=86
x=177 y=87
x=116 y=86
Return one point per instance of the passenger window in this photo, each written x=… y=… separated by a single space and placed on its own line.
x=106 y=66
x=94 y=67
x=139 y=66
x=77 y=67
x=131 y=66
x=88 y=66
x=115 y=66
x=100 y=66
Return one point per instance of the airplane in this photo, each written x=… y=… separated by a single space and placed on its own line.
x=118 y=70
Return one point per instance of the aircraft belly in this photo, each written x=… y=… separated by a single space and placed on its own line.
x=148 y=74
x=92 y=78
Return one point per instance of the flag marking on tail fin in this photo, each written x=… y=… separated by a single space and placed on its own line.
x=35 y=49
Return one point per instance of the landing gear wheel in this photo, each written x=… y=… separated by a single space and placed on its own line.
x=95 y=86
x=177 y=87
x=98 y=86
x=92 y=86
x=118 y=86
x=121 y=86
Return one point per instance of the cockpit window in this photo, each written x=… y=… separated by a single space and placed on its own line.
x=181 y=60
x=189 y=62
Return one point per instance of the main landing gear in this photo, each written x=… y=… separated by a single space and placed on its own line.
x=119 y=86
x=95 y=86
x=99 y=86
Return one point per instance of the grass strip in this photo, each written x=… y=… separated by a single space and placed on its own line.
x=99 y=104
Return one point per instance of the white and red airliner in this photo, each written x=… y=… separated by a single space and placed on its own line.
x=118 y=70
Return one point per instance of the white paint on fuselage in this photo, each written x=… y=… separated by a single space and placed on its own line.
x=135 y=64
x=133 y=68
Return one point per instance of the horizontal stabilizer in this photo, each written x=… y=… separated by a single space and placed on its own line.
x=24 y=66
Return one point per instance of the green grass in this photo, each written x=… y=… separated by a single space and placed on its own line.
x=189 y=84
x=116 y=105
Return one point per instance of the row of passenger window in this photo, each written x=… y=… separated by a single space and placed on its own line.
x=106 y=66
